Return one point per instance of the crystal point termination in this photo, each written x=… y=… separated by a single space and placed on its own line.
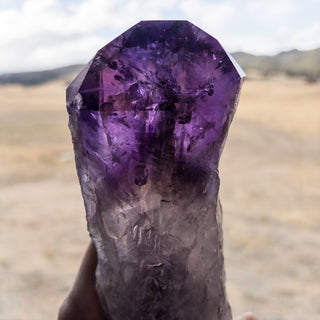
x=149 y=116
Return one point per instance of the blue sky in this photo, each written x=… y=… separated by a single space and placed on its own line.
x=41 y=34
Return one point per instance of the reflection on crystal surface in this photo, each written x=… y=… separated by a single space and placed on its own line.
x=149 y=116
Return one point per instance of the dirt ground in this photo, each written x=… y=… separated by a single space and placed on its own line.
x=270 y=192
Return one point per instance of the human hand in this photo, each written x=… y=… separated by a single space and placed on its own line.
x=82 y=302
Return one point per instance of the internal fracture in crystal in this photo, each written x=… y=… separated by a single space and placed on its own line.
x=149 y=116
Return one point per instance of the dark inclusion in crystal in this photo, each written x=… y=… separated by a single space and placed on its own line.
x=149 y=117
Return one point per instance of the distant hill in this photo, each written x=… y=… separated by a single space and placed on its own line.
x=38 y=77
x=292 y=63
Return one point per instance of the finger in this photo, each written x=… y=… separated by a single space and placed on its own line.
x=247 y=316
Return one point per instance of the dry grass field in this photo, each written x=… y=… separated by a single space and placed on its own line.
x=270 y=192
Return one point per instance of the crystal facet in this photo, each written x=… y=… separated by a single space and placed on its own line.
x=149 y=117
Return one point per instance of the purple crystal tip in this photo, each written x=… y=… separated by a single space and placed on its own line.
x=149 y=115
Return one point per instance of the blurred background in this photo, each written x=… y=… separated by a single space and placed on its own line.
x=270 y=173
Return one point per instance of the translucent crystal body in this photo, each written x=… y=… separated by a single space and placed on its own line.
x=149 y=117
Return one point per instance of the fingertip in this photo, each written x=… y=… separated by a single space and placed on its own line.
x=247 y=316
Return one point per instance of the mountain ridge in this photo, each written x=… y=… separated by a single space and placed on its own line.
x=292 y=63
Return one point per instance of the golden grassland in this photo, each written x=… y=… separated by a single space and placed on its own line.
x=270 y=192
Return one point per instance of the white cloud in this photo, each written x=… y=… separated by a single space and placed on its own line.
x=45 y=34
x=305 y=38
x=37 y=6
x=254 y=44
x=75 y=51
x=271 y=9
x=262 y=27
x=208 y=15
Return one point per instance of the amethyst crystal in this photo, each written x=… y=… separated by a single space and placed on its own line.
x=149 y=117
